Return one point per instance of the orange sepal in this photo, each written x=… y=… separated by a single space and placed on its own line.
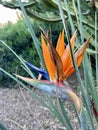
x=57 y=61
x=69 y=69
x=68 y=72
x=51 y=68
x=66 y=55
x=78 y=57
x=60 y=44
x=81 y=51
x=72 y=40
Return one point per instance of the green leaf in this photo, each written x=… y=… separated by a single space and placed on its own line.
x=36 y=41
x=65 y=114
x=20 y=59
x=91 y=51
x=56 y=112
x=83 y=120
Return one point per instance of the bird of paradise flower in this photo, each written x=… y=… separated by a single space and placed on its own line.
x=59 y=67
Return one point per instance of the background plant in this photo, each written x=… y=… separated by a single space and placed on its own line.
x=19 y=39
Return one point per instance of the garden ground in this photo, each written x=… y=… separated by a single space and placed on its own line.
x=20 y=111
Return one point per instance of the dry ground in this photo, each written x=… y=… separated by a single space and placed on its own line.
x=20 y=111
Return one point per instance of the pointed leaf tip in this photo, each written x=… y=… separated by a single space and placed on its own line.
x=60 y=44
x=72 y=40
x=81 y=51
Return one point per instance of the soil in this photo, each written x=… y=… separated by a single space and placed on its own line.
x=20 y=111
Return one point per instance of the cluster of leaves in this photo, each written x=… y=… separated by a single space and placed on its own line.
x=19 y=39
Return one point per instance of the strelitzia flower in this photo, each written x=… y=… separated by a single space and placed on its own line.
x=59 y=66
x=58 y=60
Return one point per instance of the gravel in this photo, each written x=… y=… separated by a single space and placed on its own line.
x=20 y=111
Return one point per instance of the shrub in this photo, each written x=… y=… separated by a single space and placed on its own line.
x=19 y=39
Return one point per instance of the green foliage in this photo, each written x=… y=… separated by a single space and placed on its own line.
x=19 y=39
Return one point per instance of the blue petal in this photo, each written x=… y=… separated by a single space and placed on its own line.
x=41 y=71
